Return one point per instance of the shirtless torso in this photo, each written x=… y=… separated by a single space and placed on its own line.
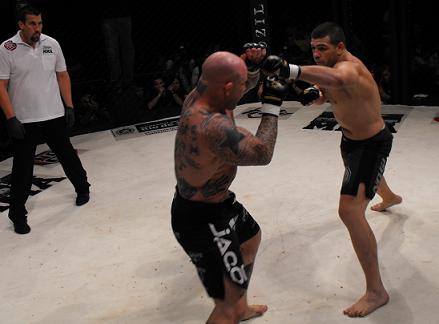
x=357 y=108
x=209 y=146
x=201 y=175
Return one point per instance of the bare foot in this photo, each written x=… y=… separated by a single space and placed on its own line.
x=366 y=305
x=254 y=311
x=387 y=203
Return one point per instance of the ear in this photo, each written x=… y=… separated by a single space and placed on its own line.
x=20 y=24
x=340 y=48
x=227 y=87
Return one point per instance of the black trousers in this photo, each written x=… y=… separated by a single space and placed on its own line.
x=54 y=133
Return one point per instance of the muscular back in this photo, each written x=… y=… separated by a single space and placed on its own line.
x=357 y=105
x=201 y=175
x=209 y=147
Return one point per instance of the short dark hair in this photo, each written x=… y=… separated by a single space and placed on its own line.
x=331 y=29
x=25 y=10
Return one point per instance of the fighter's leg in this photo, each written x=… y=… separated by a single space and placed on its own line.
x=388 y=196
x=249 y=250
x=249 y=234
x=234 y=307
x=352 y=212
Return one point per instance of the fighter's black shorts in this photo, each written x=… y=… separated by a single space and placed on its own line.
x=211 y=234
x=364 y=162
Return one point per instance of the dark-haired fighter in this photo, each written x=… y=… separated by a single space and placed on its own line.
x=365 y=145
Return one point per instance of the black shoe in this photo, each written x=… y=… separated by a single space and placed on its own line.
x=82 y=198
x=20 y=225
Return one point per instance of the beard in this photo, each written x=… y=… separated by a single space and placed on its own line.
x=35 y=37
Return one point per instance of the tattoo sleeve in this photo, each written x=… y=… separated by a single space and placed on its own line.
x=238 y=146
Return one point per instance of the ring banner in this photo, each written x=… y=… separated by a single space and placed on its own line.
x=146 y=128
x=259 y=21
x=393 y=115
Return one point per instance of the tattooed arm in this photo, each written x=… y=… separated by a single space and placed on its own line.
x=238 y=146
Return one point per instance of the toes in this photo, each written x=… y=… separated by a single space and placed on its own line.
x=353 y=312
x=260 y=309
x=378 y=207
x=348 y=312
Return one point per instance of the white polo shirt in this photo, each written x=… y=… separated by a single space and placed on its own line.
x=33 y=87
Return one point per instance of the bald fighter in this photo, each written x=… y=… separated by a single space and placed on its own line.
x=214 y=229
x=347 y=84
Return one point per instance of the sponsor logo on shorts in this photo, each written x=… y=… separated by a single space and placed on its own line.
x=237 y=272
x=347 y=175
x=195 y=256
x=381 y=168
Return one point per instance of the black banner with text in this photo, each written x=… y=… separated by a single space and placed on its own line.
x=259 y=19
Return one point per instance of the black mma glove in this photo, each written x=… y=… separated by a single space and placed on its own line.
x=308 y=95
x=70 y=116
x=253 y=67
x=273 y=94
x=274 y=64
x=15 y=128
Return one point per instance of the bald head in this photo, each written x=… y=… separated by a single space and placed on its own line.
x=223 y=67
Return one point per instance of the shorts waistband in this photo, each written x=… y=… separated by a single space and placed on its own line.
x=380 y=133
x=201 y=204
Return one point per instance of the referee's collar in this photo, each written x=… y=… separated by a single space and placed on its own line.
x=18 y=40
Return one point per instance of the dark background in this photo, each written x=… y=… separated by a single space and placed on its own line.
x=396 y=34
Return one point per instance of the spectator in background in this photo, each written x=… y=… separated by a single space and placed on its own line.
x=165 y=101
x=156 y=95
x=119 y=47
x=178 y=93
x=33 y=79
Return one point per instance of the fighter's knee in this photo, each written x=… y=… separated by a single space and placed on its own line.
x=346 y=212
x=350 y=210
